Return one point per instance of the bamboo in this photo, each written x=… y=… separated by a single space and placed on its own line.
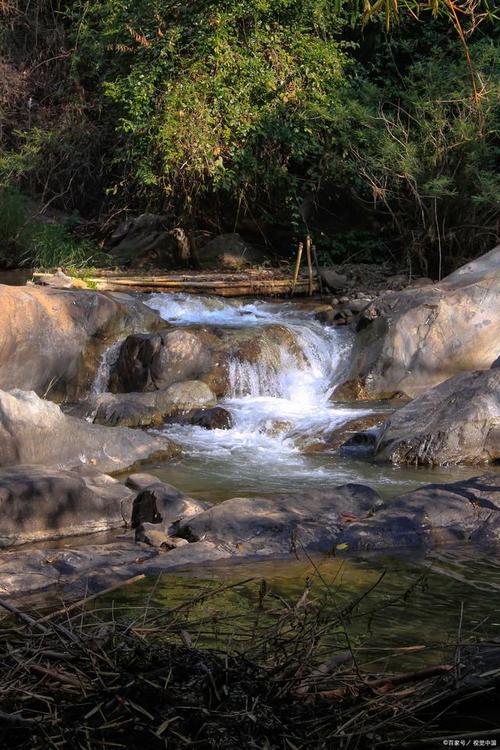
x=297 y=266
x=309 y=263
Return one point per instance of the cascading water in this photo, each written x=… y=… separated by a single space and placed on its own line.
x=108 y=359
x=278 y=404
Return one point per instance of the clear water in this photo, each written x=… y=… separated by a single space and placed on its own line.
x=415 y=605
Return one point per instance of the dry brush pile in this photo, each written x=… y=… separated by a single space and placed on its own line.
x=98 y=675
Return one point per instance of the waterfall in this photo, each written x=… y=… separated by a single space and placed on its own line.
x=108 y=360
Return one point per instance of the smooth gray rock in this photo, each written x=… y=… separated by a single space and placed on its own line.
x=51 y=340
x=277 y=524
x=455 y=422
x=146 y=409
x=79 y=571
x=34 y=431
x=334 y=280
x=407 y=342
x=38 y=503
x=140 y=480
x=152 y=362
x=434 y=514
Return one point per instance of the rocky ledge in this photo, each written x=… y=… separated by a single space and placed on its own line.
x=165 y=528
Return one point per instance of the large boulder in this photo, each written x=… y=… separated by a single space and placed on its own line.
x=51 y=340
x=216 y=355
x=39 y=503
x=455 y=422
x=229 y=251
x=434 y=514
x=34 y=431
x=145 y=409
x=407 y=342
x=164 y=505
x=282 y=523
x=155 y=361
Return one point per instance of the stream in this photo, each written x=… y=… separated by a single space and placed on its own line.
x=279 y=408
x=281 y=405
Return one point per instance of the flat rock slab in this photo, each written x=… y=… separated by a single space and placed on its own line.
x=434 y=514
x=86 y=570
x=38 y=503
x=276 y=525
x=455 y=422
x=34 y=431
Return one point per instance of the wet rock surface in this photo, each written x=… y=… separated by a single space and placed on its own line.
x=34 y=431
x=409 y=341
x=38 y=503
x=51 y=339
x=455 y=422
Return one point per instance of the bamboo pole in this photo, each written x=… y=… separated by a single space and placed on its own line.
x=297 y=267
x=309 y=263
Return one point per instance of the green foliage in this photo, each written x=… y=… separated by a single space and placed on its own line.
x=431 y=159
x=236 y=97
x=26 y=241
x=278 y=116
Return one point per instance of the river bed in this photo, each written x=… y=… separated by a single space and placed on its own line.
x=280 y=406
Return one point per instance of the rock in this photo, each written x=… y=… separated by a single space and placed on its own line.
x=434 y=514
x=34 y=431
x=155 y=361
x=150 y=533
x=333 y=279
x=275 y=525
x=141 y=480
x=146 y=409
x=485 y=264
x=80 y=571
x=164 y=504
x=409 y=341
x=496 y=363
x=51 y=340
x=325 y=316
x=229 y=251
x=39 y=503
x=455 y=422
x=147 y=242
x=271 y=347
x=358 y=431
x=217 y=418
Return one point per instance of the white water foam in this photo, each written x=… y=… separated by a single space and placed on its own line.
x=108 y=360
x=277 y=404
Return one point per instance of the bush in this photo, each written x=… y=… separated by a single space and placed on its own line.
x=26 y=241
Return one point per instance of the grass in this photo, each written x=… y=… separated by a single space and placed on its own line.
x=30 y=242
